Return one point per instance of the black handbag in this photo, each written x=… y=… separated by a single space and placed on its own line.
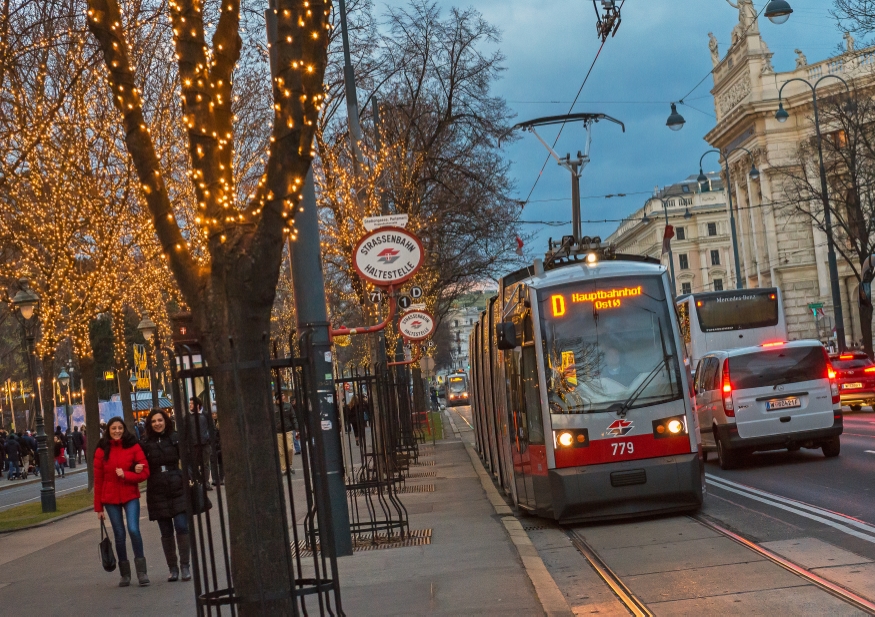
x=107 y=556
x=200 y=503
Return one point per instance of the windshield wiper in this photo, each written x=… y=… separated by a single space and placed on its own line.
x=640 y=389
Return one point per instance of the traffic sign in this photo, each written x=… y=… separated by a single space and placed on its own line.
x=405 y=302
x=816 y=305
x=392 y=220
x=418 y=306
x=416 y=292
x=416 y=325
x=388 y=256
x=376 y=296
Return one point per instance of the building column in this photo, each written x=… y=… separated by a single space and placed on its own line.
x=755 y=229
x=741 y=233
x=770 y=227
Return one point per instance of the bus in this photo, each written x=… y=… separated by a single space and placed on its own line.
x=581 y=403
x=457 y=389
x=730 y=319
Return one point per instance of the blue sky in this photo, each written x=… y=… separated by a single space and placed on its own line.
x=658 y=55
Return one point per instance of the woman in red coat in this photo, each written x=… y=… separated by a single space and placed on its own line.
x=119 y=467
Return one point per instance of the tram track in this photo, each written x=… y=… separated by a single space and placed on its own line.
x=636 y=606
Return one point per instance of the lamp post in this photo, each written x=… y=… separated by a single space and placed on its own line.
x=674 y=289
x=753 y=174
x=26 y=302
x=781 y=116
x=778 y=11
x=148 y=329
x=64 y=380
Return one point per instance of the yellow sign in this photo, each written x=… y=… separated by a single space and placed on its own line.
x=141 y=367
x=569 y=367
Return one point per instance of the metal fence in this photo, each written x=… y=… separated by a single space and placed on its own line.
x=312 y=578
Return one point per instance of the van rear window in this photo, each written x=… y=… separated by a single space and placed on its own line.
x=774 y=367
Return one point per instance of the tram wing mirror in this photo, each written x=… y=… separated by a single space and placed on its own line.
x=505 y=335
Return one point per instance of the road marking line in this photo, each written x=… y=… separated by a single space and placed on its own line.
x=869 y=451
x=780 y=503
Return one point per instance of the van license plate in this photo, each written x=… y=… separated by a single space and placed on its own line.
x=783 y=403
x=851 y=386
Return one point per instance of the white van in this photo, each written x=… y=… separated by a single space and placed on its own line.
x=769 y=397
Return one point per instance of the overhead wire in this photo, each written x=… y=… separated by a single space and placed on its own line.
x=562 y=126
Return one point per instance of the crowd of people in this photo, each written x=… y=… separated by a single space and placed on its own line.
x=18 y=452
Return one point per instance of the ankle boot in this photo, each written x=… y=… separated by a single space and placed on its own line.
x=140 y=565
x=124 y=568
x=184 y=543
x=169 y=545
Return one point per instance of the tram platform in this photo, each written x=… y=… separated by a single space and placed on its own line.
x=471 y=565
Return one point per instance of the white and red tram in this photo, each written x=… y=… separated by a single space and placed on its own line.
x=581 y=396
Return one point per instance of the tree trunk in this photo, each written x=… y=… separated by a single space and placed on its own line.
x=866 y=327
x=260 y=557
x=92 y=411
x=124 y=392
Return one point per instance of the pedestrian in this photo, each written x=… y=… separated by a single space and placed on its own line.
x=2 y=452
x=13 y=453
x=200 y=431
x=118 y=471
x=78 y=444
x=165 y=492
x=59 y=434
x=284 y=426
x=60 y=459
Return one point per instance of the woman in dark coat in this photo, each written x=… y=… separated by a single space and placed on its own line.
x=165 y=492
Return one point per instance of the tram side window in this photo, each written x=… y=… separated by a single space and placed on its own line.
x=530 y=383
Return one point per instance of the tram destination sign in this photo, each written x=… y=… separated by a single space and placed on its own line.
x=416 y=325
x=388 y=256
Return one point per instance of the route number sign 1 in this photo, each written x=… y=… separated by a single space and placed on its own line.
x=416 y=325
x=405 y=302
x=388 y=256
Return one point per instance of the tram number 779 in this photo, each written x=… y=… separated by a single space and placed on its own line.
x=623 y=447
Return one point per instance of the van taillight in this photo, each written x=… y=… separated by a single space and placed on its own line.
x=728 y=407
x=831 y=375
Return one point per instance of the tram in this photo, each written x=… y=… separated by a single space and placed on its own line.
x=457 y=389
x=580 y=392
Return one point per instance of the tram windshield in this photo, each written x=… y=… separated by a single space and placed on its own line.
x=458 y=383
x=609 y=345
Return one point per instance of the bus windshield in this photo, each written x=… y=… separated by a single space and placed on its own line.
x=609 y=345
x=737 y=311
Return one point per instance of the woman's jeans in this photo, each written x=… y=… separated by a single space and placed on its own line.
x=178 y=522
x=132 y=513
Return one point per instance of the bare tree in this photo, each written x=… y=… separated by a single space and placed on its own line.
x=849 y=159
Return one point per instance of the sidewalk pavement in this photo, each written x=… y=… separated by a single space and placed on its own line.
x=472 y=566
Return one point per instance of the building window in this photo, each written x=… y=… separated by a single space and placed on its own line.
x=718 y=284
x=715 y=258
x=683 y=261
x=712 y=229
x=686 y=189
x=686 y=288
x=682 y=233
x=686 y=201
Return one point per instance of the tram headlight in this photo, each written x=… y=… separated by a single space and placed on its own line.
x=571 y=438
x=669 y=427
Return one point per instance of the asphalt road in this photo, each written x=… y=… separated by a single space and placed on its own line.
x=12 y=494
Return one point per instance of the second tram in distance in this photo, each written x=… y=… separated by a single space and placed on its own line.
x=581 y=396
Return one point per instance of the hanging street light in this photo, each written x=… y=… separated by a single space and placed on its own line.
x=675 y=121
x=778 y=11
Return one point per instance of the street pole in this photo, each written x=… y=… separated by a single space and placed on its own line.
x=352 y=106
x=71 y=456
x=674 y=289
x=312 y=316
x=152 y=377
x=575 y=197
x=824 y=195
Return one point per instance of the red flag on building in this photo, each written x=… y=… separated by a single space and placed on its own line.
x=519 y=246
x=666 y=239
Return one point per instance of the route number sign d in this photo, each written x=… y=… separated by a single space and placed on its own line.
x=388 y=256
x=416 y=325
x=416 y=292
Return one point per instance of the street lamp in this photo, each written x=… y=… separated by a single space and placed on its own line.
x=674 y=290
x=25 y=303
x=148 y=328
x=753 y=174
x=781 y=116
x=778 y=11
x=675 y=121
x=64 y=380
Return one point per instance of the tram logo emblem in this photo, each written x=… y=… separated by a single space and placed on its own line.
x=388 y=255
x=618 y=428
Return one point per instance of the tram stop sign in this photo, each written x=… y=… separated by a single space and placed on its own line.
x=416 y=325
x=388 y=256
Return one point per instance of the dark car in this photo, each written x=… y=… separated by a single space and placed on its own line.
x=855 y=373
